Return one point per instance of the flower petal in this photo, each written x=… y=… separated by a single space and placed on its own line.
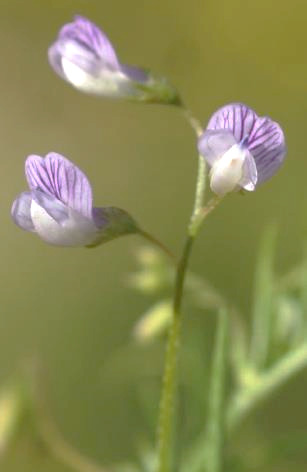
x=213 y=144
x=250 y=174
x=90 y=74
x=54 y=207
x=267 y=145
x=59 y=225
x=63 y=53
x=83 y=55
x=229 y=171
x=21 y=212
x=263 y=137
x=89 y=36
x=56 y=176
x=237 y=118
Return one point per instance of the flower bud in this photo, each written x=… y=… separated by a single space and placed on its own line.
x=84 y=56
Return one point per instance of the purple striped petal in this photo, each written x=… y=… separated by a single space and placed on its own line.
x=237 y=118
x=83 y=56
x=21 y=211
x=267 y=145
x=56 y=176
x=263 y=137
x=82 y=48
x=85 y=33
x=74 y=54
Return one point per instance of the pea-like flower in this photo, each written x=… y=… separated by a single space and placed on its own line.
x=84 y=56
x=59 y=206
x=241 y=148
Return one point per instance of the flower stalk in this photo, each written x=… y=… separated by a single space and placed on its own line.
x=167 y=403
x=156 y=242
x=165 y=426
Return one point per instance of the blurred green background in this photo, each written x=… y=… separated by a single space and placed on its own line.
x=71 y=308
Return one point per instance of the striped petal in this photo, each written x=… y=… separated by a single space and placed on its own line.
x=237 y=118
x=267 y=144
x=88 y=36
x=263 y=137
x=56 y=176
x=82 y=54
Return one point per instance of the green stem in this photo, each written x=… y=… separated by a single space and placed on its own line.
x=202 y=213
x=193 y=122
x=166 y=413
x=200 y=186
x=214 y=459
x=263 y=299
x=165 y=425
x=303 y=286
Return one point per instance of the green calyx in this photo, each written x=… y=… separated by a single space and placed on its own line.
x=158 y=90
x=117 y=222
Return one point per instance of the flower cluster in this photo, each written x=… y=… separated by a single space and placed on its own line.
x=242 y=149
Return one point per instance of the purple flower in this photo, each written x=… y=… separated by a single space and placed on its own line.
x=84 y=56
x=59 y=206
x=241 y=148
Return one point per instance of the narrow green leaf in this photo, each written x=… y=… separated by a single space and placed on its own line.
x=263 y=299
x=206 y=454
x=238 y=346
x=304 y=289
x=288 y=322
x=214 y=460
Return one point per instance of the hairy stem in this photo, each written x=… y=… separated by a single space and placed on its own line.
x=193 y=122
x=167 y=403
x=166 y=414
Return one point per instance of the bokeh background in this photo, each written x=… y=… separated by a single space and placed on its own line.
x=72 y=308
